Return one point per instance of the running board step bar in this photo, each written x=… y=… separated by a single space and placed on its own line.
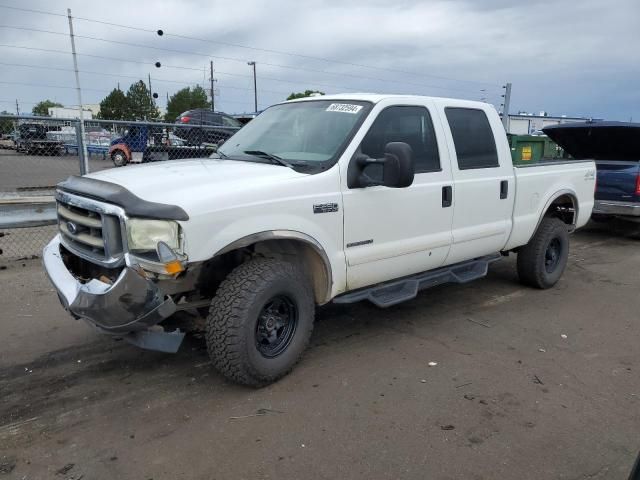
x=391 y=293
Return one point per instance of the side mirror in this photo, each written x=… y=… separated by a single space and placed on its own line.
x=397 y=168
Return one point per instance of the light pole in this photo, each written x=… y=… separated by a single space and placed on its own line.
x=255 y=88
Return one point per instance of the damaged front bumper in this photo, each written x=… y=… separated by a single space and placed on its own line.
x=129 y=307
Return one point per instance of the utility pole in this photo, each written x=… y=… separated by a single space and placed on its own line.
x=255 y=87
x=213 y=103
x=150 y=91
x=15 y=124
x=505 y=109
x=84 y=163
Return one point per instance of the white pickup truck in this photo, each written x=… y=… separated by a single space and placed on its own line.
x=337 y=198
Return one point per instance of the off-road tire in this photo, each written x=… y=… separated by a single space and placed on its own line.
x=533 y=257
x=234 y=314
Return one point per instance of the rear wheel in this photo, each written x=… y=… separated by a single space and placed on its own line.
x=119 y=158
x=542 y=261
x=260 y=321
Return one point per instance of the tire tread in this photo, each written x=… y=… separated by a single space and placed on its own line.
x=226 y=344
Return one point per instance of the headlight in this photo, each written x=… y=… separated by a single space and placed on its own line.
x=144 y=235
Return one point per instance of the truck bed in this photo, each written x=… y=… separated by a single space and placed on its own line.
x=543 y=180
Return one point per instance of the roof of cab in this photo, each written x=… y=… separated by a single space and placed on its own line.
x=377 y=97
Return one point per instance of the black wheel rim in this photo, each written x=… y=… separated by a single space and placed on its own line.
x=276 y=326
x=552 y=255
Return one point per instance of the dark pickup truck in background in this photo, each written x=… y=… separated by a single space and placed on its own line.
x=615 y=147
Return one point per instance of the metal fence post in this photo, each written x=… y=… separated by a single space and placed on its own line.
x=84 y=162
x=83 y=157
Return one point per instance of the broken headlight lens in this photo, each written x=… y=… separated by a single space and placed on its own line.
x=144 y=235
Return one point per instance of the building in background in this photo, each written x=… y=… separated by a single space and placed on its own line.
x=527 y=123
x=73 y=112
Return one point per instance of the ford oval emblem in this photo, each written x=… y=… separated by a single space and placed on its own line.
x=72 y=227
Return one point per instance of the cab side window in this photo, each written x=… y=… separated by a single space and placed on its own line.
x=408 y=124
x=473 y=138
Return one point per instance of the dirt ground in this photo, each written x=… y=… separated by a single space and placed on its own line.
x=528 y=385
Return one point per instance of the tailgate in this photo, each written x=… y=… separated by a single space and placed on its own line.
x=615 y=147
x=617 y=181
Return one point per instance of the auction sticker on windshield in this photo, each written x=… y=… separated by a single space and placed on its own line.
x=344 y=108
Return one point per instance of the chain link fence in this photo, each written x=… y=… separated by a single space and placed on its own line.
x=36 y=153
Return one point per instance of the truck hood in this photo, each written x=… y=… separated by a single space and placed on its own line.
x=598 y=140
x=182 y=182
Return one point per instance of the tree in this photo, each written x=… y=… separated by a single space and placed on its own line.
x=140 y=103
x=186 y=99
x=42 y=108
x=115 y=106
x=307 y=93
x=6 y=125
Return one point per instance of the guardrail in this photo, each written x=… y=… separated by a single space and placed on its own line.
x=24 y=212
x=27 y=224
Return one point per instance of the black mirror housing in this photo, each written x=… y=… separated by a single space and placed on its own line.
x=398 y=167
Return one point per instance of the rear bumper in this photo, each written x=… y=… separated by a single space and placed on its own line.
x=610 y=207
x=132 y=303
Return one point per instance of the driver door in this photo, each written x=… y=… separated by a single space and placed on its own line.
x=394 y=232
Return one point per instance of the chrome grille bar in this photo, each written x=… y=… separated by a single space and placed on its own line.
x=91 y=229
x=89 y=221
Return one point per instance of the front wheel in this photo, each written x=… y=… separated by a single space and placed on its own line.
x=119 y=158
x=260 y=321
x=542 y=261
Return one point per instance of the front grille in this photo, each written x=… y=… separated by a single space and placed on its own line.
x=89 y=232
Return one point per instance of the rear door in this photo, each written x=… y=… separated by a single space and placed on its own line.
x=483 y=182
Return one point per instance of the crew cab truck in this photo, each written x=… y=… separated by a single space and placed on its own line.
x=338 y=198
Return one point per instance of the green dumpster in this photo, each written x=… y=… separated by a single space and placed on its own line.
x=530 y=149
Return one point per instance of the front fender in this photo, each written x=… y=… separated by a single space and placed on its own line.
x=201 y=244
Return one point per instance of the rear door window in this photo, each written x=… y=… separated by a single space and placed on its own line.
x=473 y=138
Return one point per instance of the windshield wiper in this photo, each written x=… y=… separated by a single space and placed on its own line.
x=269 y=156
x=219 y=155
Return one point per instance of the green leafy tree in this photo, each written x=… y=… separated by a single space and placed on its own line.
x=42 y=108
x=6 y=125
x=306 y=93
x=140 y=103
x=115 y=106
x=186 y=99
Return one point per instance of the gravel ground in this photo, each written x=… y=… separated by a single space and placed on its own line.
x=528 y=385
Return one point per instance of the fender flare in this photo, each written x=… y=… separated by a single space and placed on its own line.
x=286 y=235
x=553 y=198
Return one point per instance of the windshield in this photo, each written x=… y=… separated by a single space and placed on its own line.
x=312 y=133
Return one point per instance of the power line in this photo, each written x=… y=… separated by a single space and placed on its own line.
x=236 y=59
x=138 y=62
x=266 y=50
x=155 y=79
x=22 y=84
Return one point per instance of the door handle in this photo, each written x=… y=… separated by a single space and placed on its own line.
x=447 y=196
x=504 y=189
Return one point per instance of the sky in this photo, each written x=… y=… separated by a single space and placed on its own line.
x=574 y=58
